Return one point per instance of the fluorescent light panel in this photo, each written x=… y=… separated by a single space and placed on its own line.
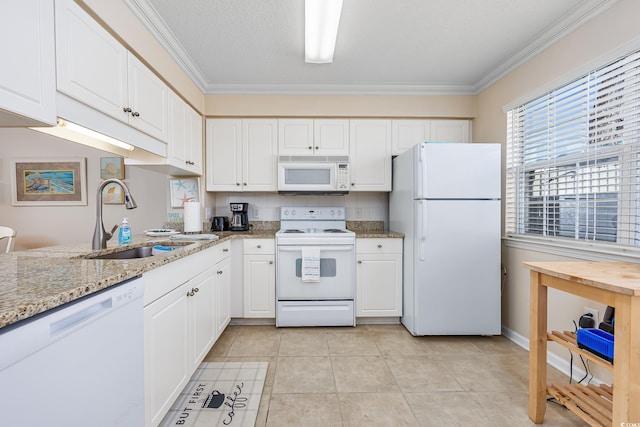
x=321 y=19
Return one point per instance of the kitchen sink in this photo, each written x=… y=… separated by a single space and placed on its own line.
x=137 y=252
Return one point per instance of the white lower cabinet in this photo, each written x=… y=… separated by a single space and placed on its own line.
x=259 y=278
x=186 y=310
x=378 y=277
x=222 y=294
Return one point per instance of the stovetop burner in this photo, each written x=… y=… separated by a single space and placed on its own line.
x=293 y=230
x=333 y=230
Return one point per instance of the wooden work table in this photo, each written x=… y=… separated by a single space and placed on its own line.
x=616 y=284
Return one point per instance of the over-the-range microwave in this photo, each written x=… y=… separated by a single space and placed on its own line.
x=313 y=175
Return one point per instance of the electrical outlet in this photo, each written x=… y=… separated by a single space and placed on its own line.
x=358 y=212
x=256 y=212
x=594 y=313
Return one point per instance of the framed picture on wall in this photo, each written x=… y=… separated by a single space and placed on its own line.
x=112 y=194
x=112 y=167
x=183 y=190
x=48 y=182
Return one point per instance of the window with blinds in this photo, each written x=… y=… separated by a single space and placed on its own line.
x=573 y=159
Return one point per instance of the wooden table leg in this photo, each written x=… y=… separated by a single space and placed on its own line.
x=537 y=349
x=626 y=391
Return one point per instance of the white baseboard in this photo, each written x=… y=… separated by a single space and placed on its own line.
x=552 y=359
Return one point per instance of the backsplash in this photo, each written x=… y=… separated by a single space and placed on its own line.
x=266 y=206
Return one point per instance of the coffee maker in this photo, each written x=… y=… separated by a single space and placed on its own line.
x=239 y=216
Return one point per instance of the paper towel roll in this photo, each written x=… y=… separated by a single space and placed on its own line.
x=192 y=221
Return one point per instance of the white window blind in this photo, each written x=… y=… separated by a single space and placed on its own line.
x=573 y=159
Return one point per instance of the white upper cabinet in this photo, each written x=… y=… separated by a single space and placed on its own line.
x=95 y=69
x=407 y=133
x=450 y=131
x=309 y=137
x=148 y=100
x=185 y=137
x=370 y=155
x=241 y=154
x=27 y=75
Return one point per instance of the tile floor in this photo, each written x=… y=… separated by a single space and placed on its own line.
x=379 y=375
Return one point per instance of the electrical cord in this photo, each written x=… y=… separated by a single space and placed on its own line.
x=586 y=367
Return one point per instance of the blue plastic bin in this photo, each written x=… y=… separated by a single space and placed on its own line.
x=596 y=341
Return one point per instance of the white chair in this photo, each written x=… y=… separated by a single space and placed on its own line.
x=10 y=235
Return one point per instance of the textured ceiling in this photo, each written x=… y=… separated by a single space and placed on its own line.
x=383 y=46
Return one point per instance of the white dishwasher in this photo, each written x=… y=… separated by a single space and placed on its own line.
x=80 y=365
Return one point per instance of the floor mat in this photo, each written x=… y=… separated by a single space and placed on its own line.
x=220 y=394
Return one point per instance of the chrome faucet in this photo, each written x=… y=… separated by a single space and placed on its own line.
x=100 y=236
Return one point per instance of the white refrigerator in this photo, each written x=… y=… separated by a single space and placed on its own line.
x=446 y=201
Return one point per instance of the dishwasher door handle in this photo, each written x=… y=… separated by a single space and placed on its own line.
x=75 y=319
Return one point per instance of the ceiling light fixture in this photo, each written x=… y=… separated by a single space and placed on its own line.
x=321 y=19
x=82 y=135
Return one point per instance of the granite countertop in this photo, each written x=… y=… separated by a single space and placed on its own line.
x=38 y=280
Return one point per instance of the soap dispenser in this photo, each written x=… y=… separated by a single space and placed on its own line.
x=124 y=235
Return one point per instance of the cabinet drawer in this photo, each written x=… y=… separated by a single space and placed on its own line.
x=379 y=245
x=221 y=251
x=259 y=246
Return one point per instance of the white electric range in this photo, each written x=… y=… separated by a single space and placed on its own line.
x=315 y=268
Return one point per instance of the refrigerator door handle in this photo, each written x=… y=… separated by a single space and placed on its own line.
x=422 y=230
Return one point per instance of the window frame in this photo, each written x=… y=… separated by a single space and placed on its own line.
x=516 y=198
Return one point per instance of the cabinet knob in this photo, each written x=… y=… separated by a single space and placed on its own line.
x=225 y=250
x=258 y=246
x=270 y=262
x=126 y=109
x=195 y=289
x=379 y=246
x=219 y=271
x=135 y=114
x=244 y=183
x=353 y=184
x=190 y=293
x=310 y=147
x=359 y=262
x=317 y=147
x=237 y=183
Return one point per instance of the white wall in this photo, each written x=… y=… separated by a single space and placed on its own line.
x=53 y=225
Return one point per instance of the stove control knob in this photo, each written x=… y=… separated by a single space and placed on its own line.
x=332 y=213
x=286 y=213
x=293 y=212
x=340 y=212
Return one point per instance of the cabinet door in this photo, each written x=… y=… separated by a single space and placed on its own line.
x=260 y=155
x=407 y=133
x=379 y=285
x=223 y=295
x=184 y=145
x=194 y=140
x=331 y=137
x=295 y=137
x=450 y=131
x=259 y=286
x=370 y=155
x=166 y=352
x=201 y=297
x=148 y=98
x=224 y=154
x=27 y=79
x=177 y=145
x=91 y=64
